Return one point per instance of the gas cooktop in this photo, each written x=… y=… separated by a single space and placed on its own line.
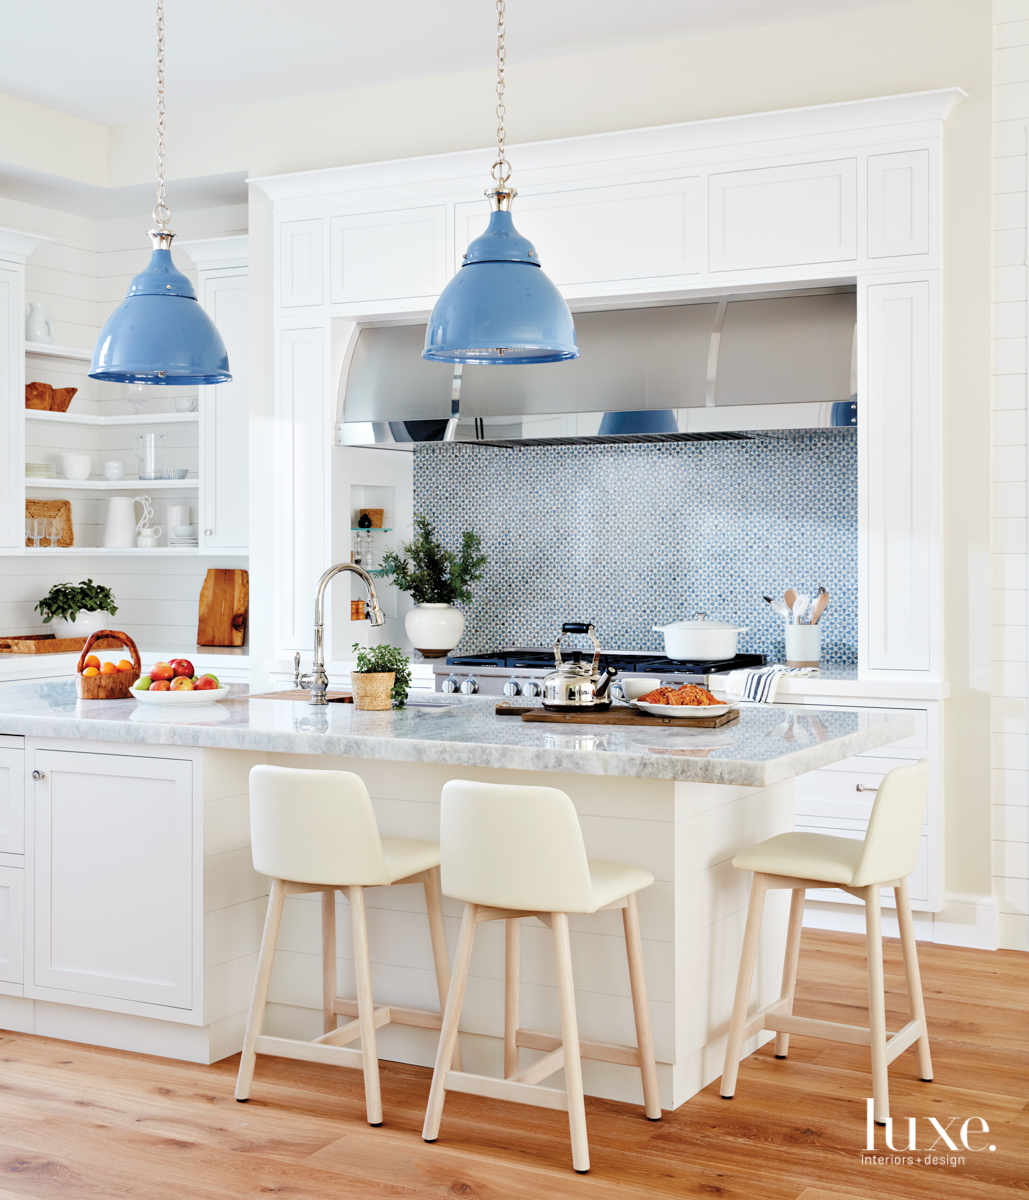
x=644 y=662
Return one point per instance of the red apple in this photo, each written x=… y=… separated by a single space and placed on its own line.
x=181 y=684
x=206 y=683
x=162 y=670
x=182 y=666
x=160 y=685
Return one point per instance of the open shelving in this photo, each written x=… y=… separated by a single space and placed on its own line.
x=51 y=351
x=106 y=485
x=72 y=418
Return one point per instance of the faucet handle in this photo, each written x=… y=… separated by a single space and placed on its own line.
x=296 y=669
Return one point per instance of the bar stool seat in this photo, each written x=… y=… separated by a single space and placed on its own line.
x=808 y=855
x=314 y=831
x=611 y=881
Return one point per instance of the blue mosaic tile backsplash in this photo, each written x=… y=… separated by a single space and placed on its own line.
x=641 y=535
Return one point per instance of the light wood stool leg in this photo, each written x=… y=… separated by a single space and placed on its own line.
x=434 y=909
x=570 y=1041
x=273 y=917
x=640 y=1009
x=748 y=957
x=789 y=966
x=451 y=1019
x=913 y=977
x=512 y=980
x=877 y=1005
x=365 y=1005
x=328 y=960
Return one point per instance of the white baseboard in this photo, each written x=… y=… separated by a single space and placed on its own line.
x=965 y=920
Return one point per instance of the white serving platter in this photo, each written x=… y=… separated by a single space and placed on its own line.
x=683 y=710
x=182 y=699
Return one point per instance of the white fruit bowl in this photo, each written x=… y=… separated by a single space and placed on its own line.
x=179 y=698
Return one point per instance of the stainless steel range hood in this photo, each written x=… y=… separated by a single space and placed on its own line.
x=685 y=372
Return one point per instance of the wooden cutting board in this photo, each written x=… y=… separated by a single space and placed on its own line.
x=616 y=716
x=301 y=694
x=223 y=608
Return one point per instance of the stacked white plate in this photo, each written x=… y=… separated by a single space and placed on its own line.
x=40 y=471
x=177 y=541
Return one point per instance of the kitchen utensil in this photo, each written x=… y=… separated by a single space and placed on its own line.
x=779 y=608
x=184 y=404
x=147 y=539
x=38 y=326
x=790 y=596
x=60 y=398
x=800 y=607
x=615 y=716
x=120 y=527
x=147 y=449
x=700 y=639
x=54 y=529
x=631 y=687
x=803 y=645
x=174 y=473
x=113 y=471
x=682 y=711
x=185 y=531
x=107 y=687
x=35 y=530
x=47 y=509
x=820 y=605
x=223 y=608
x=577 y=686
x=76 y=466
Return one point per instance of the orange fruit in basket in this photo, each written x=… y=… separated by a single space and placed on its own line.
x=108 y=669
x=124 y=665
x=89 y=672
x=93 y=661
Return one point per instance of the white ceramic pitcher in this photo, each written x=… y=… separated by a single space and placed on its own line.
x=38 y=326
x=121 y=528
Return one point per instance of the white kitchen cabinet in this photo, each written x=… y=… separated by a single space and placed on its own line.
x=12 y=930
x=898 y=204
x=388 y=255
x=300 y=266
x=12 y=796
x=113 y=880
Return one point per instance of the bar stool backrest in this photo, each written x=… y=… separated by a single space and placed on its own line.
x=509 y=846
x=314 y=827
x=894 y=833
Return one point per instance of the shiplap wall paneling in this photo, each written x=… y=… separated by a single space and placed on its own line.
x=303 y=435
x=783 y=216
x=300 y=263
x=898 y=203
x=592 y=235
x=12 y=801
x=388 y=255
x=12 y=930
x=899 y=420
x=12 y=467
x=113 y=878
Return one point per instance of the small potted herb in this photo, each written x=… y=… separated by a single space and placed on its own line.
x=436 y=579
x=380 y=677
x=77 y=609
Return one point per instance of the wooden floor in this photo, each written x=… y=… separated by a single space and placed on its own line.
x=77 y=1121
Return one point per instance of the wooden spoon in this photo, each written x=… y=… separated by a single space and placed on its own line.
x=819 y=607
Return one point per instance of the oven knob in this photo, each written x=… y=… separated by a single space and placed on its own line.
x=470 y=686
x=512 y=688
x=450 y=684
x=531 y=688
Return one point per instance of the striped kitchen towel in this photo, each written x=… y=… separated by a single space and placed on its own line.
x=758 y=685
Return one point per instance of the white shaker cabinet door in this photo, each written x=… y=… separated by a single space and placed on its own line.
x=12 y=926
x=898 y=204
x=388 y=255
x=113 y=868
x=224 y=420
x=12 y=402
x=12 y=801
x=300 y=267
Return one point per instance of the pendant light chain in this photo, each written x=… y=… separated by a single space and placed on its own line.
x=501 y=171
x=162 y=213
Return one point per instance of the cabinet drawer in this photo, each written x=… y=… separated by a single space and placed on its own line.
x=12 y=799
x=833 y=791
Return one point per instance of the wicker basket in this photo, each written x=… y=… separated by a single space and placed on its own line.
x=107 y=687
x=373 y=690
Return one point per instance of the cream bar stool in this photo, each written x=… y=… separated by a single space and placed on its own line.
x=798 y=861
x=510 y=852
x=314 y=831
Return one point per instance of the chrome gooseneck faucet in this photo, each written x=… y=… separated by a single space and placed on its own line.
x=318 y=681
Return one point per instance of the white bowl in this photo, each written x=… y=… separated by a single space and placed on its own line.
x=683 y=710
x=185 y=531
x=113 y=471
x=76 y=466
x=180 y=698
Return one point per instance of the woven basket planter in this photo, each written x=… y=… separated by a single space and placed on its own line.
x=372 y=691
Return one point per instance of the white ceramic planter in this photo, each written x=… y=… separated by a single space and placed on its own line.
x=434 y=629
x=84 y=624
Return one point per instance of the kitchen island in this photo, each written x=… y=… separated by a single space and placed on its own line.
x=132 y=914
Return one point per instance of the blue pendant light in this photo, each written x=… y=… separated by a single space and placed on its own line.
x=500 y=307
x=159 y=333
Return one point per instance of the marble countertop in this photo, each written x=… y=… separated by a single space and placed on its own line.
x=768 y=745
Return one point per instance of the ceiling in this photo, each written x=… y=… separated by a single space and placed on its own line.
x=97 y=60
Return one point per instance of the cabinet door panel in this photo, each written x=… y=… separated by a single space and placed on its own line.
x=783 y=216
x=225 y=418
x=113 y=883
x=388 y=255
x=300 y=263
x=12 y=924
x=898 y=203
x=12 y=801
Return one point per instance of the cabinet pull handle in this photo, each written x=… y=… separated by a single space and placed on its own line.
x=208 y=532
x=38 y=775
x=860 y=787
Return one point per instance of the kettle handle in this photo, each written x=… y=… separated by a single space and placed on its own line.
x=577 y=627
x=585 y=627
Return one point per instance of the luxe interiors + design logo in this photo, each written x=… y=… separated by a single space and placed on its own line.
x=945 y=1150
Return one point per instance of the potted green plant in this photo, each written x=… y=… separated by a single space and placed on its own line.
x=77 y=609
x=380 y=677
x=436 y=579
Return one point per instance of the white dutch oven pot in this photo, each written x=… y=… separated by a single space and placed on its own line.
x=700 y=639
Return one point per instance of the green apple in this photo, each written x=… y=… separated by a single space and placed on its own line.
x=142 y=684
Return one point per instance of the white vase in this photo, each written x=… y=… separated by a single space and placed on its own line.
x=38 y=326
x=84 y=624
x=434 y=629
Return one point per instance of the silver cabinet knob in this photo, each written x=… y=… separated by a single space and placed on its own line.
x=208 y=532
x=38 y=775
x=450 y=684
x=531 y=688
x=470 y=685
x=512 y=688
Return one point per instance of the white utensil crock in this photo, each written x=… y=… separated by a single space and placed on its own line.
x=38 y=326
x=803 y=645
x=700 y=639
x=434 y=629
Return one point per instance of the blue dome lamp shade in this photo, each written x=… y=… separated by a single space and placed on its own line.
x=159 y=334
x=500 y=307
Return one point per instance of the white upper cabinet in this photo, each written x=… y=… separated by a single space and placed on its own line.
x=388 y=255
x=591 y=235
x=783 y=216
x=301 y=263
x=898 y=204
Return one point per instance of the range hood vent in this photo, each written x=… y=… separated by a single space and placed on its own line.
x=708 y=371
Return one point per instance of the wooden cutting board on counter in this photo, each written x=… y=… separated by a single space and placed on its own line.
x=301 y=694
x=616 y=716
x=223 y=608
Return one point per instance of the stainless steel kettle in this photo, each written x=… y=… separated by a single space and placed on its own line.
x=577 y=686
